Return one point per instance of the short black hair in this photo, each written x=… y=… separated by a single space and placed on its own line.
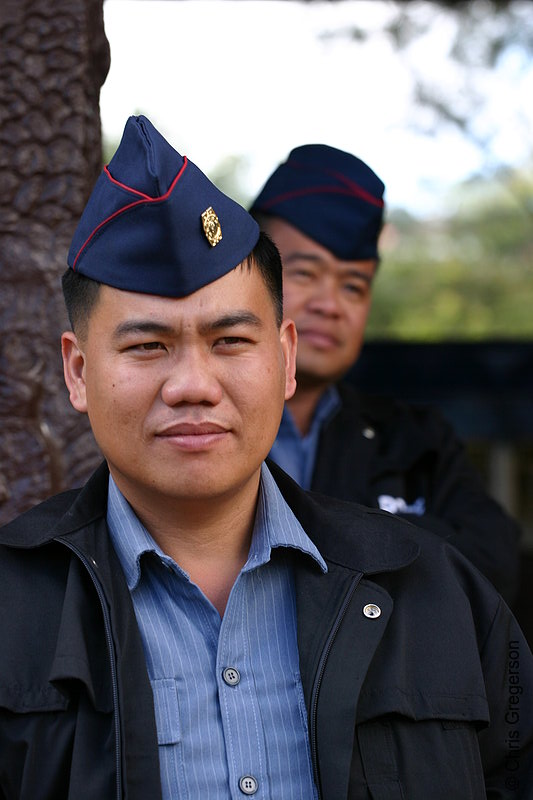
x=81 y=293
x=267 y=259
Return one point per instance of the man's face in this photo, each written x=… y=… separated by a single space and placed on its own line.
x=328 y=299
x=184 y=395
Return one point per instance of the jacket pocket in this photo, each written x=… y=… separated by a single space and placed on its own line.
x=54 y=747
x=36 y=734
x=29 y=699
x=166 y=708
x=408 y=759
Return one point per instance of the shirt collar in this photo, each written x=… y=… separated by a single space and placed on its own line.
x=275 y=526
x=129 y=536
x=329 y=402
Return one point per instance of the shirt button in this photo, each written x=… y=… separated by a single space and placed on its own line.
x=369 y=432
x=248 y=784
x=372 y=611
x=231 y=676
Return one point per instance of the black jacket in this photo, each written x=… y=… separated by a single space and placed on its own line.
x=399 y=701
x=378 y=446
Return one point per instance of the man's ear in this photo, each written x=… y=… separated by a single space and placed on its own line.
x=74 y=370
x=289 y=338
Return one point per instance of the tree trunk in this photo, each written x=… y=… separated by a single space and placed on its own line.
x=54 y=58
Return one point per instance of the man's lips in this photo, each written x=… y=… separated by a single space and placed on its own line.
x=193 y=435
x=321 y=339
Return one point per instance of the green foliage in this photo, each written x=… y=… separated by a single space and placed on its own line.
x=466 y=277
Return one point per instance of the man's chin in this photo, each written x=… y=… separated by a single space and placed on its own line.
x=313 y=372
x=315 y=380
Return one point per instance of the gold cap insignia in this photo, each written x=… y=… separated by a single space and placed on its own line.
x=211 y=224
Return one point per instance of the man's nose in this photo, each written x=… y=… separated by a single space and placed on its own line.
x=326 y=298
x=191 y=379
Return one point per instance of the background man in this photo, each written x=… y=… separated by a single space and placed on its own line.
x=191 y=624
x=324 y=210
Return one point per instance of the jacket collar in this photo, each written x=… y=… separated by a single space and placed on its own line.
x=60 y=515
x=385 y=417
x=362 y=539
x=365 y=540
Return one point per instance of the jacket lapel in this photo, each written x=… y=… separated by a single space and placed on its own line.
x=385 y=440
x=342 y=471
x=337 y=642
x=341 y=618
x=134 y=711
x=97 y=570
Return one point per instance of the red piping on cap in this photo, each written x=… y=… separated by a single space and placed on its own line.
x=355 y=189
x=145 y=198
x=348 y=191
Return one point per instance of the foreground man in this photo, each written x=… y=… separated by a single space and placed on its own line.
x=324 y=210
x=191 y=624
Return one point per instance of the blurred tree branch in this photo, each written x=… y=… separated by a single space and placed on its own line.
x=482 y=37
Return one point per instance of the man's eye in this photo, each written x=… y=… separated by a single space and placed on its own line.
x=300 y=273
x=354 y=288
x=231 y=340
x=150 y=346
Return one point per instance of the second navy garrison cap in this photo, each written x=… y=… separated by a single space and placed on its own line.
x=329 y=195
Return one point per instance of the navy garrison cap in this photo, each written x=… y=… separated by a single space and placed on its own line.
x=330 y=196
x=155 y=223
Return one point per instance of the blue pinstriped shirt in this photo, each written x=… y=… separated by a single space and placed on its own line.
x=230 y=713
x=296 y=454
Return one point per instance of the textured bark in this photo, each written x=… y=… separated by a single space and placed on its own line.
x=53 y=60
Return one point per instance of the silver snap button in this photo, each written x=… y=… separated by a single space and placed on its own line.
x=231 y=676
x=371 y=610
x=248 y=784
x=369 y=433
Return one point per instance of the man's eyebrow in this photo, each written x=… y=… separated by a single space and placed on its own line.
x=152 y=327
x=231 y=320
x=142 y=326
x=355 y=273
x=298 y=255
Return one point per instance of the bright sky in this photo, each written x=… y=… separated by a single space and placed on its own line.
x=254 y=78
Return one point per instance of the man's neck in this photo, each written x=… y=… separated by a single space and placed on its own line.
x=209 y=537
x=303 y=403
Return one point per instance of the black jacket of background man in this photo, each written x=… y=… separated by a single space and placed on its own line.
x=378 y=446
